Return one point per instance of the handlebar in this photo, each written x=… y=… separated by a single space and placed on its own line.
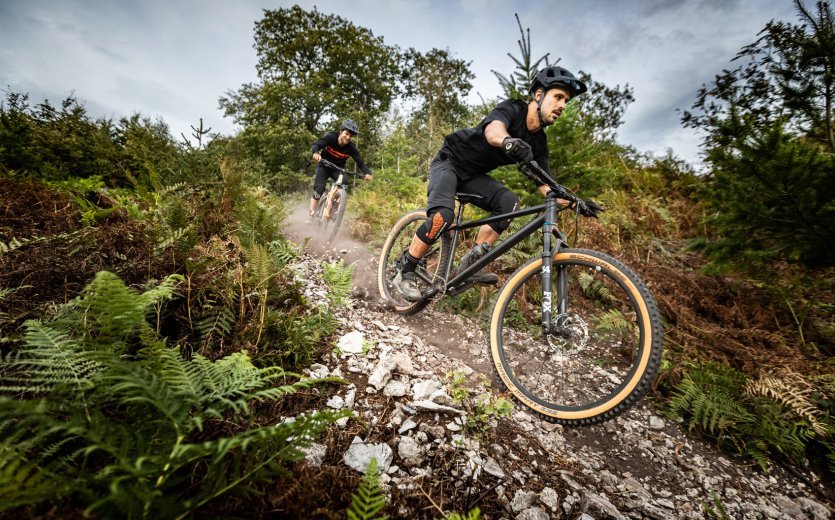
x=331 y=165
x=533 y=171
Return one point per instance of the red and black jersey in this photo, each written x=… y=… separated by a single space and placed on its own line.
x=328 y=147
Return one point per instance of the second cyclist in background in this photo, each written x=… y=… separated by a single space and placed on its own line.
x=335 y=147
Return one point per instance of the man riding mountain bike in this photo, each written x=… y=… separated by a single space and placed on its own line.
x=336 y=147
x=513 y=132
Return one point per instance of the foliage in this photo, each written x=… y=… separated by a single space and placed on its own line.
x=756 y=418
x=473 y=514
x=488 y=407
x=517 y=84
x=439 y=83
x=338 y=277
x=769 y=138
x=720 y=513
x=57 y=144
x=458 y=391
x=97 y=410
x=314 y=70
x=771 y=196
x=368 y=501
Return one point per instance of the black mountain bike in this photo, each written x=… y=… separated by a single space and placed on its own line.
x=575 y=335
x=331 y=209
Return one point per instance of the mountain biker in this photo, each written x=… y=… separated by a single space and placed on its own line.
x=335 y=147
x=513 y=132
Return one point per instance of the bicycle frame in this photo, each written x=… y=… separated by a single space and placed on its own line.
x=546 y=220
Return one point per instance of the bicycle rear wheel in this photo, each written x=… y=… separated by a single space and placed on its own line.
x=392 y=257
x=338 y=202
x=604 y=353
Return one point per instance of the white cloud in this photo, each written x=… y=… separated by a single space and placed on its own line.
x=175 y=59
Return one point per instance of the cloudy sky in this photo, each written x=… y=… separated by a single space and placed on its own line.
x=174 y=59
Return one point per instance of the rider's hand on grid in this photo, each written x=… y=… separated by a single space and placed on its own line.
x=517 y=149
x=587 y=208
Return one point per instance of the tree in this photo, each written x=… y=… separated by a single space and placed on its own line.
x=517 y=84
x=438 y=83
x=314 y=70
x=769 y=142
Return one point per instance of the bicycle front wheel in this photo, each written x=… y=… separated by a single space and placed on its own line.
x=392 y=257
x=603 y=350
x=337 y=203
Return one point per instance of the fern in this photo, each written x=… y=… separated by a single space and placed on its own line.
x=720 y=513
x=125 y=431
x=613 y=322
x=473 y=514
x=368 y=500
x=595 y=289
x=216 y=320
x=795 y=394
x=338 y=278
x=282 y=252
x=709 y=395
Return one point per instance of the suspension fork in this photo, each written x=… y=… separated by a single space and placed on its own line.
x=547 y=265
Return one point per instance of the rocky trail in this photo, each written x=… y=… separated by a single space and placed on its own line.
x=439 y=455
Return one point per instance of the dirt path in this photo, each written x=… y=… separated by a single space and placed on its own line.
x=638 y=465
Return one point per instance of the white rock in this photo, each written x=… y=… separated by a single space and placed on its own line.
x=435 y=407
x=422 y=390
x=315 y=454
x=381 y=375
x=550 y=498
x=359 y=455
x=336 y=402
x=408 y=424
x=409 y=450
x=351 y=343
x=656 y=423
x=532 y=513
x=492 y=467
x=522 y=500
x=395 y=388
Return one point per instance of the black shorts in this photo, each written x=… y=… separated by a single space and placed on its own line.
x=444 y=183
x=321 y=178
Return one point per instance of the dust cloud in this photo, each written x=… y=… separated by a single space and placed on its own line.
x=301 y=229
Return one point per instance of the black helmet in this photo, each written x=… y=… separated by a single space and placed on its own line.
x=554 y=76
x=350 y=126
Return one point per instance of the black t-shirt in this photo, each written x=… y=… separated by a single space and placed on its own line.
x=328 y=147
x=472 y=155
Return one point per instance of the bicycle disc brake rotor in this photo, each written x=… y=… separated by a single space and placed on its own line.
x=570 y=335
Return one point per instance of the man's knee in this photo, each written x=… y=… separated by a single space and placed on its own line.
x=438 y=220
x=504 y=201
x=318 y=191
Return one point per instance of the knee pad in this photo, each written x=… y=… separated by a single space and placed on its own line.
x=504 y=201
x=317 y=194
x=438 y=220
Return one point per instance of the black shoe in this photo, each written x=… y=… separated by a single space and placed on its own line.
x=472 y=256
x=407 y=283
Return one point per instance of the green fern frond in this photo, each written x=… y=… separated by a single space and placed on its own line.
x=121 y=431
x=612 y=322
x=338 y=277
x=595 y=289
x=708 y=395
x=282 y=252
x=368 y=501
x=215 y=320
x=50 y=359
x=473 y=514
x=792 y=395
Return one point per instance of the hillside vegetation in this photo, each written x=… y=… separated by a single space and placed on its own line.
x=153 y=327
